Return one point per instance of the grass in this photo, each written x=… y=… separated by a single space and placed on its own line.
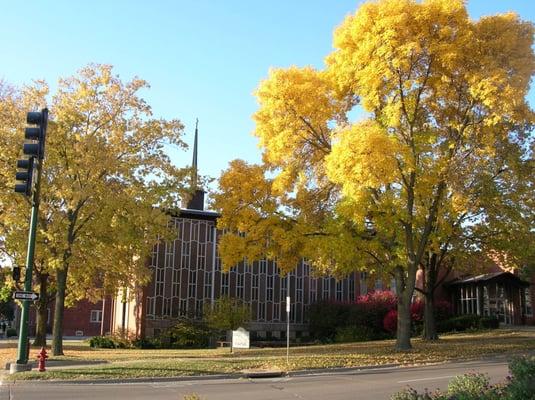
x=133 y=363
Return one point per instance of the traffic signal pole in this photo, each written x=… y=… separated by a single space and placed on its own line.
x=22 y=357
x=23 y=349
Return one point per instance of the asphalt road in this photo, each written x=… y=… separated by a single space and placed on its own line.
x=376 y=384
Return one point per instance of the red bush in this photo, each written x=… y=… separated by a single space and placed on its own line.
x=390 y=322
x=384 y=299
x=417 y=310
x=443 y=311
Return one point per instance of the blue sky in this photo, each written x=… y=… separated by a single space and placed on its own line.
x=203 y=59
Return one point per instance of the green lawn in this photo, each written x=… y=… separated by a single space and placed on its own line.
x=132 y=363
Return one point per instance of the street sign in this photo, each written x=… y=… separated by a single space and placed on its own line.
x=287 y=304
x=26 y=296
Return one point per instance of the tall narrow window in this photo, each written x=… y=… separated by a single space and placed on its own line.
x=263 y=266
x=299 y=289
x=183 y=307
x=313 y=290
x=254 y=290
x=276 y=311
x=225 y=279
x=176 y=283
x=351 y=293
x=339 y=291
x=363 y=287
x=240 y=279
x=160 y=272
x=326 y=288
x=269 y=289
x=192 y=284
x=207 y=284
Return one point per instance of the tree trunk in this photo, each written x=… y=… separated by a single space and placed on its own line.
x=41 y=312
x=430 y=280
x=430 y=326
x=57 y=330
x=405 y=282
x=403 y=337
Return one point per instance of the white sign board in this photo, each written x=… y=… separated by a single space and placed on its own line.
x=240 y=339
x=26 y=296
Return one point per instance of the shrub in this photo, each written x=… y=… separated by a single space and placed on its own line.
x=358 y=333
x=186 y=334
x=326 y=317
x=522 y=380
x=411 y=394
x=122 y=340
x=147 y=343
x=467 y=322
x=390 y=322
x=459 y=324
x=228 y=314
x=469 y=386
x=363 y=318
x=11 y=332
x=370 y=310
x=489 y=323
x=102 y=342
x=474 y=386
x=443 y=310
x=417 y=310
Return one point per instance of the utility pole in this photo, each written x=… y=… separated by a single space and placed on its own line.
x=31 y=187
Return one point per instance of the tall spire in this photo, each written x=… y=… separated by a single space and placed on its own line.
x=196 y=199
x=194 y=166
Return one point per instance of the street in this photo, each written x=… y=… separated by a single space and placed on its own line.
x=374 y=384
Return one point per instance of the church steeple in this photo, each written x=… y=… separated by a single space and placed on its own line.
x=196 y=199
x=194 y=166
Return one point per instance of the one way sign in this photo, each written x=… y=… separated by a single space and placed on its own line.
x=26 y=296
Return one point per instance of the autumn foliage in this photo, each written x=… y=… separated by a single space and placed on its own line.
x=439 y=163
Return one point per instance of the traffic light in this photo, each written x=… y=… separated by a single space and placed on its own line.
x=26 y=176
x=36 y=134
x=34 y=148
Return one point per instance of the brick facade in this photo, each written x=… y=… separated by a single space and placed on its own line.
x=187 y=277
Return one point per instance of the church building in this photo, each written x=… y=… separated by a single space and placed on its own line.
x=187 y=277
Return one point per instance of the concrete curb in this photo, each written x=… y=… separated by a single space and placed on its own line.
x=341 y=370
x=124 y=381
x=254 y=374
x=243 y=375
x=250 y=374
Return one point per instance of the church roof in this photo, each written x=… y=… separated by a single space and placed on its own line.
x=498 y=277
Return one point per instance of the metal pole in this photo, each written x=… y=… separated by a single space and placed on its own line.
x=214 y=263
x=22 y=357
x=288 y=299
x=23 y=348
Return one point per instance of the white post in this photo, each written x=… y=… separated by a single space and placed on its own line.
x=214 y=263
x=288 y=325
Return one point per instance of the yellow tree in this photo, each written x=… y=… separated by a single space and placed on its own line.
x=444 y=96
x=14 y=210
x=107 y=181
x=477 y=229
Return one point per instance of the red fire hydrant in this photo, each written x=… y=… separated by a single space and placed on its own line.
x=42 y=356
